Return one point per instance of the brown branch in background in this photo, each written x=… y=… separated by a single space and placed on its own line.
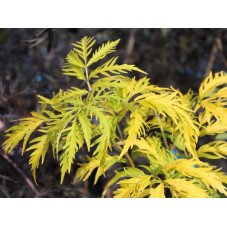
x=130 y=45
x=3 y=188
x=4 y=193
x=217 y=46
x=85 y=187
x=212 y=58
x=27 y=180
x=220 y=47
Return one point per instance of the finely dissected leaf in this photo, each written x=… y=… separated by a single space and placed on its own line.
x=73 y=143
x=152 y=149
x=218 y=148
x=107 y=91
x=222 y=176
x=135 y=128
x=214 y=101
x=110 y=68
x=102 y=51
x=74 y=59
x=190 y=135
x=73 y=70
x=112 y=82
x=171 y=130
x=23 y=130
x=216 y=108
x=211 y=83
x=73 y=92
x=84 y=172
x=188 y=99
x=45 y=100
x=136 y=88
x=38 y=116
x=74 y=66
x=102 y=151
x=163 y=103
x=127 y=172
x=130 y=188
x=205 y=173
x=86 y=128
x=83 y=48
x=58 y=126
x=213 y=127
x=106 y=127
x=170 y=104
x=158 y=192
x=148 y=146
x=186 y=189
x=55 y=103
x=86 y=169
x=40 y=148
x=167 y=124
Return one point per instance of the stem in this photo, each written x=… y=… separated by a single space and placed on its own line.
x=162 y=130
x=27 y=180
x=174 y=143
x=186 y=155
x=119 y=130
x=129 y=160
x=126 y=155
x=87 y=80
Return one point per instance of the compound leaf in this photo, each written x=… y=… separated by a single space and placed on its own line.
x=102 y=51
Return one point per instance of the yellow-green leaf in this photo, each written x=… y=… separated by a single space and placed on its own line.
x=157 y=192
x=186 y=189
x=102 y=51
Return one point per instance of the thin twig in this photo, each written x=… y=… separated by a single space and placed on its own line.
x=128 y=157
x=216 y=46
x=162 y=130
x=212 y=59
x=27 y=180
x=4 y=189
x=4 y=193
x=87 y=80
x=129 y=160
x=220 y=47
x=131 y=43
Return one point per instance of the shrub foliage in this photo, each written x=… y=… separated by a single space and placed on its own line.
x=121 y=120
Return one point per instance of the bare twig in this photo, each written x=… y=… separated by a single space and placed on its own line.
x=4 y=189
x=85 y=188
x=220 y=47
x=216 y=46
x=4 y=193
x=27 y=180
x=212 y=58
x=162 y=130
x=131 y=43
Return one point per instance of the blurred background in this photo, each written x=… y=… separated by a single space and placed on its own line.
x=31 y=62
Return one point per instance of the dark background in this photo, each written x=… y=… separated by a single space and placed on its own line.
x=30 y=64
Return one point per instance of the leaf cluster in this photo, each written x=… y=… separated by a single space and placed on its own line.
x=119 y=119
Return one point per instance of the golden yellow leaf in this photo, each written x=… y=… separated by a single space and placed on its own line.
x=157 y=192
x=186 y=189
